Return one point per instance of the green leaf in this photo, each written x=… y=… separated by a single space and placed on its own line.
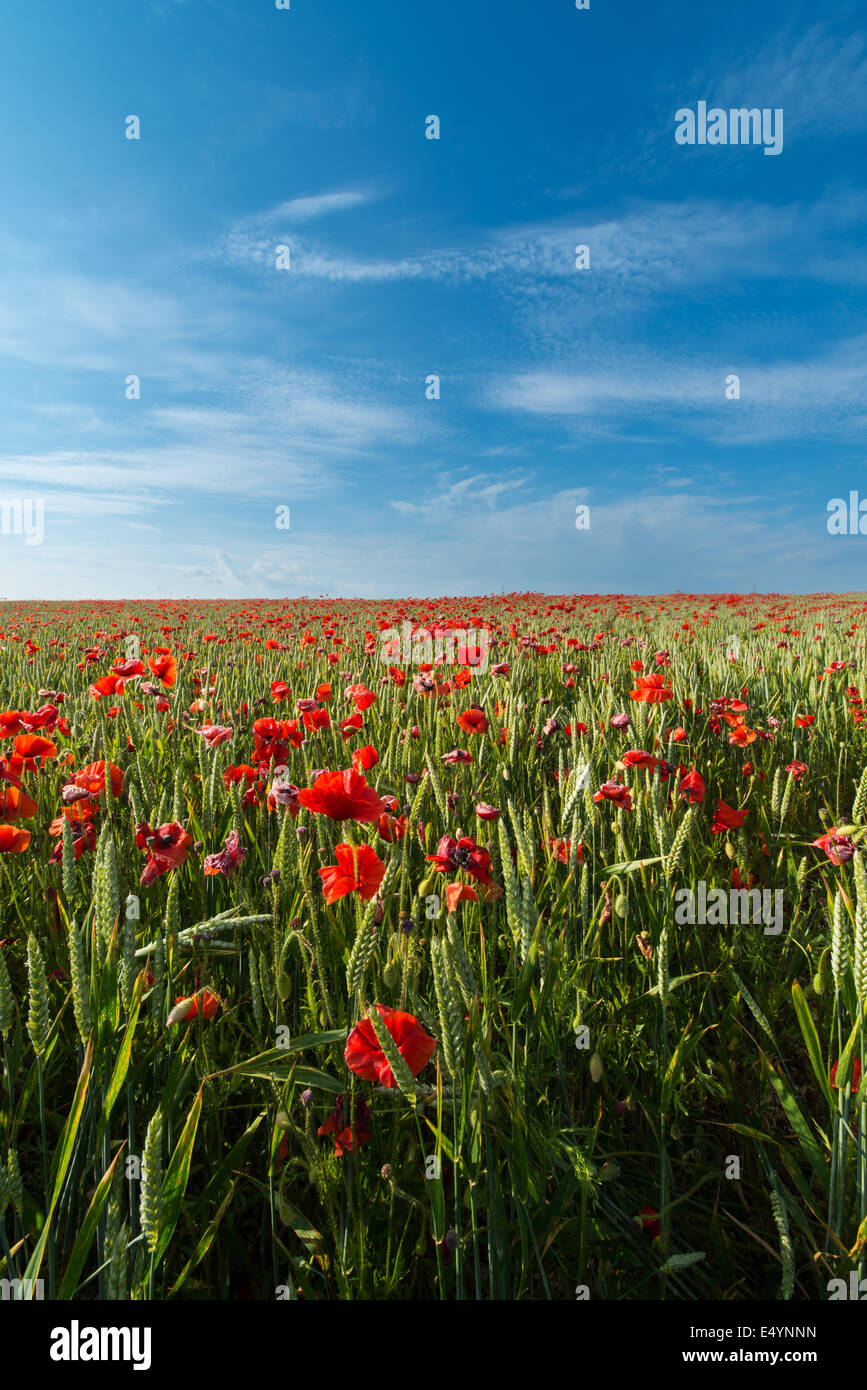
x=84 y=1239
x=177 y=1176
x=269 y=1063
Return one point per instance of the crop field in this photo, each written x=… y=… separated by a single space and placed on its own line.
x=504 y=948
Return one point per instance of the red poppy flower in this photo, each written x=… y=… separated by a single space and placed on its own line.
x=92 y=779
x=316 y=719
x=347 y=1137
x=228 y=858
x=188 y=1007
x=16 y=805
x=363 y=697
x=167 y=847
x=358 y=870
x=855 y=1079
x=562 y=850
x=650 y=1220
x=692 y=786
x=165 y=668
x=651 y=690
x=726 y=818
x=107 y=685
x=7 y=774
x=616 y=792
x=472 y=721
x=363 y=759
x=453 y=855
x=32 y=746
x=12 y=840
x=365 y=1057
x=343 y=796
x=839 y=848
x=636 y=757
x=459 y=893
x=83 y=837
x=391 y=828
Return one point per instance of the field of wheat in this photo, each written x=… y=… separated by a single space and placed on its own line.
x=505 y=948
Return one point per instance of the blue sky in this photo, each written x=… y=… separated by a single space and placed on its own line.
x=305 y=387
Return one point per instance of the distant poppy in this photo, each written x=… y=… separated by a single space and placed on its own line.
x=215 y=734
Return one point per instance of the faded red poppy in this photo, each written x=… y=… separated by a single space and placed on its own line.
x=365 y=1057
x=228 y=858
x=215 y=734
